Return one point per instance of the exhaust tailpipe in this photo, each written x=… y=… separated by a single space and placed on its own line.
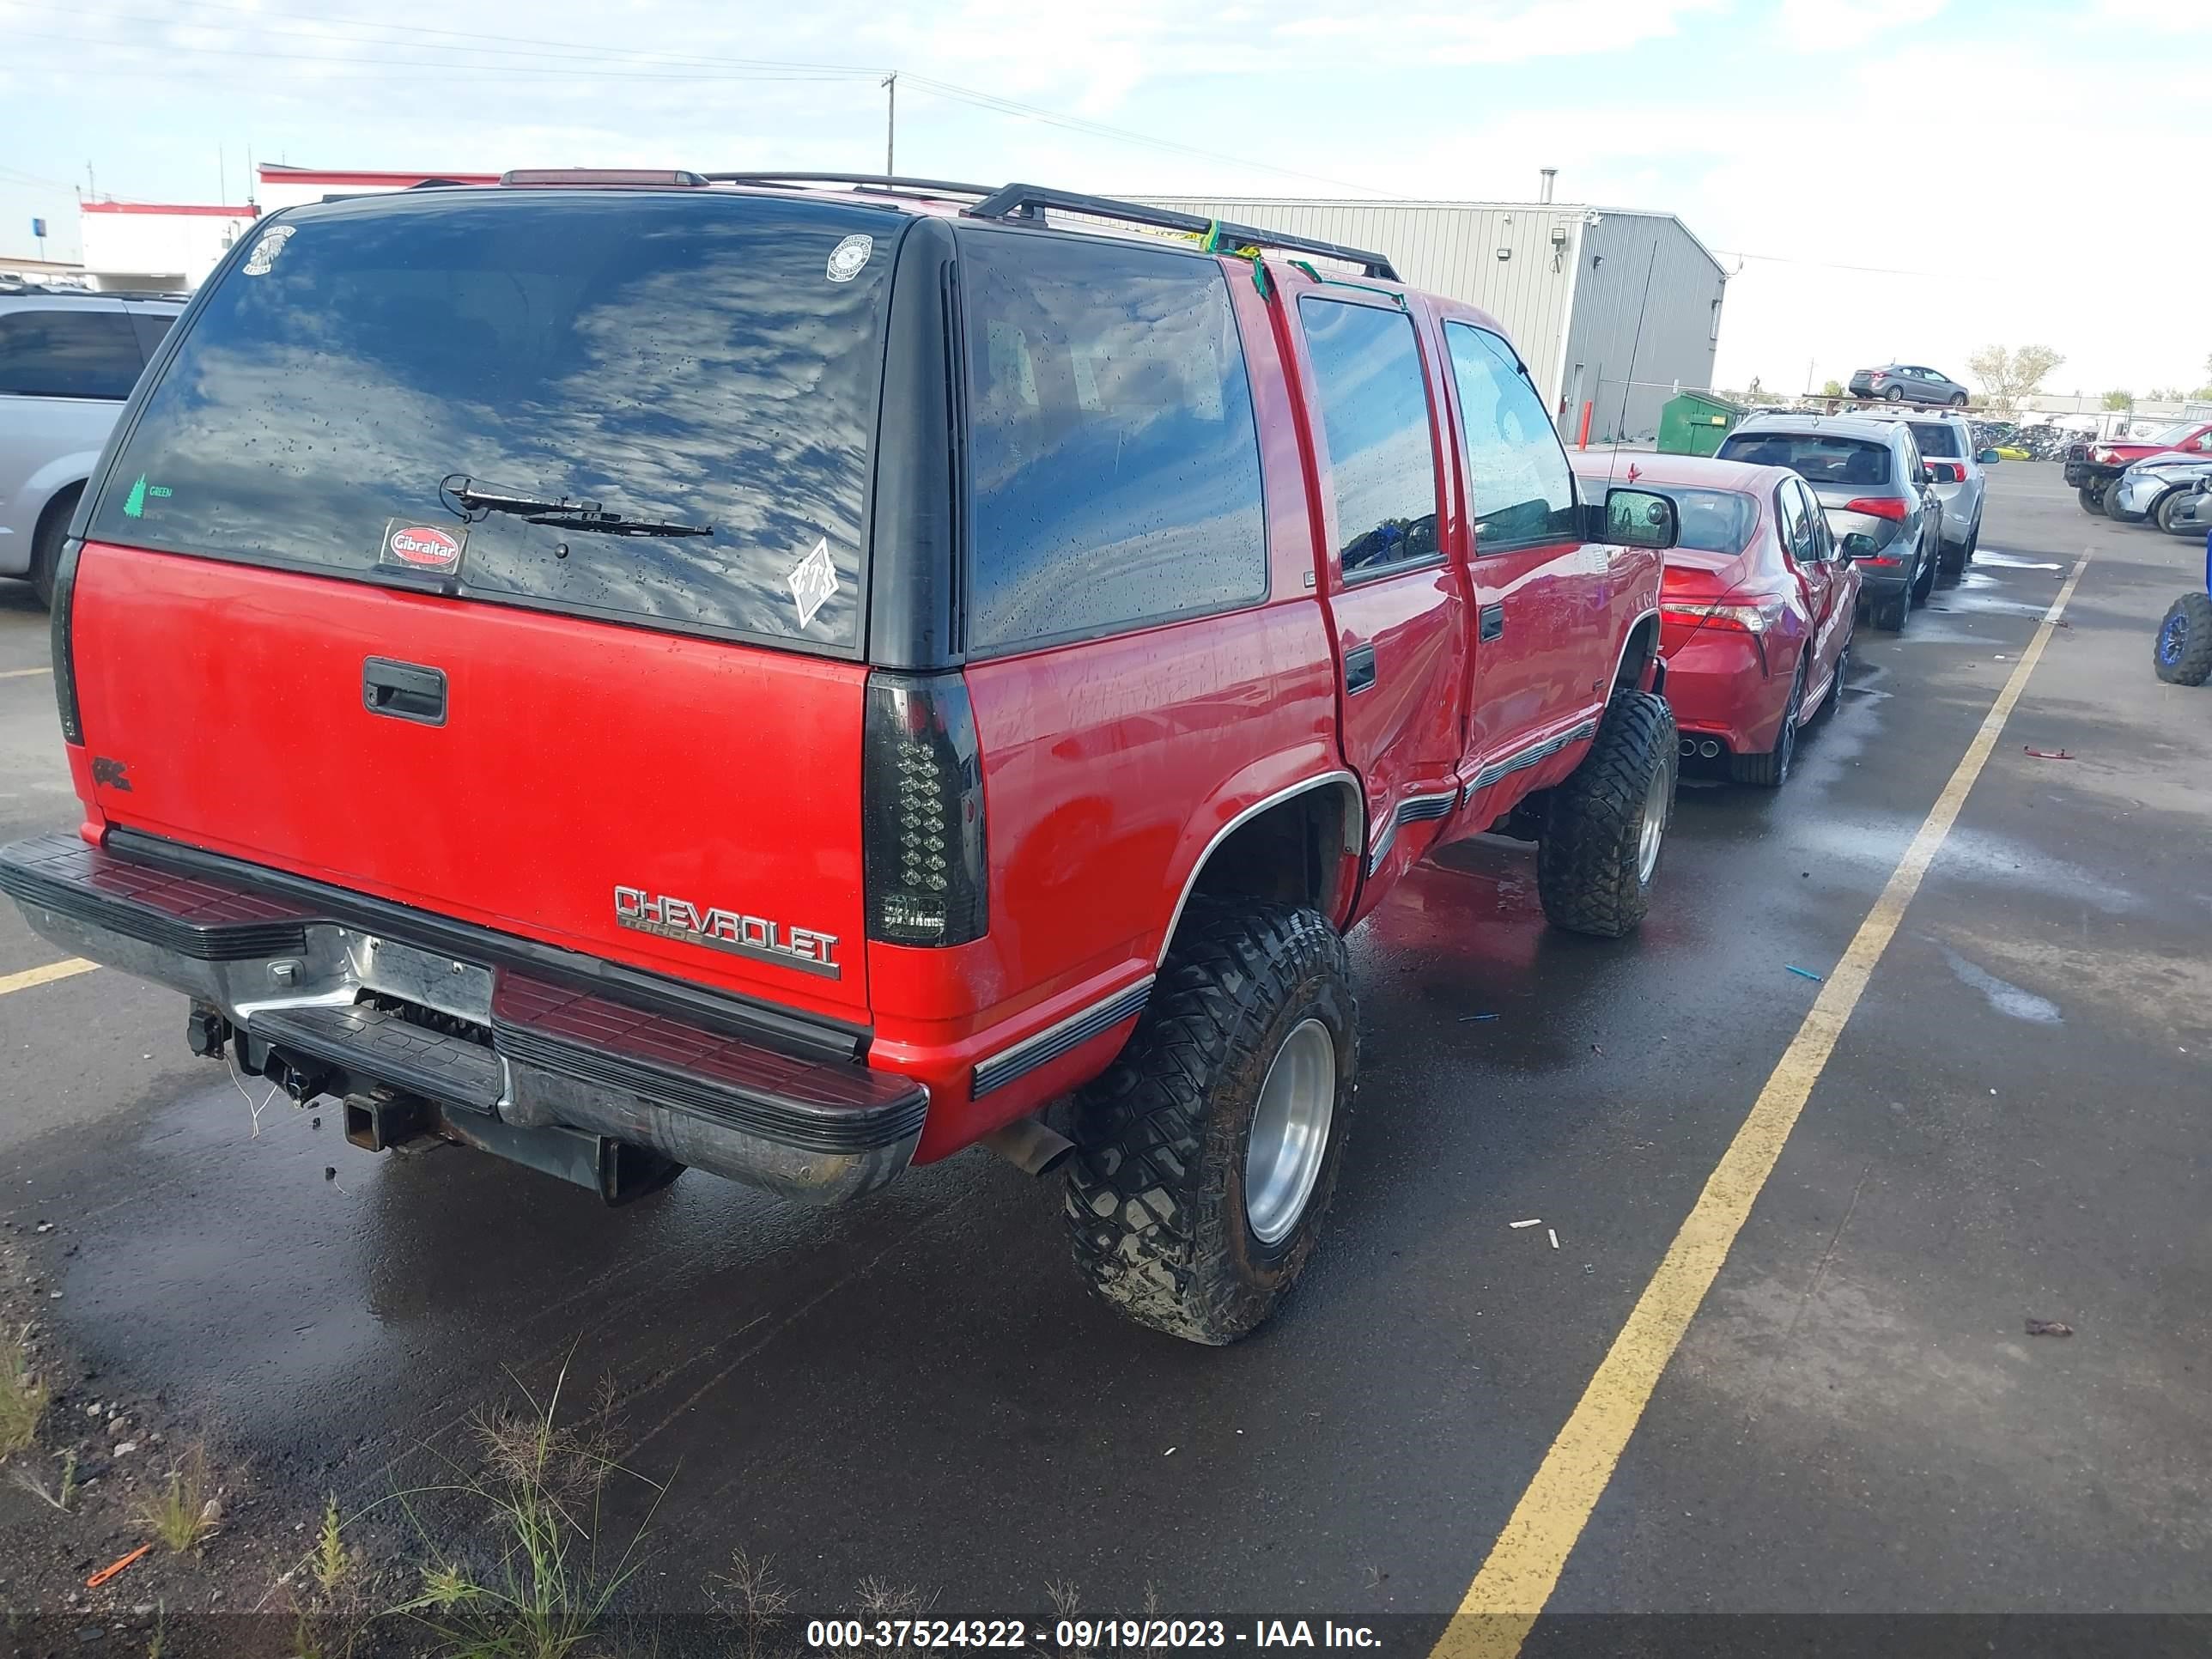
x=1029 y=1146
x=1709 y=748
x=1689 y=747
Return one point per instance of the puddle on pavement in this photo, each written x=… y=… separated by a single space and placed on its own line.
x=2004 y=995
x=2009 y=562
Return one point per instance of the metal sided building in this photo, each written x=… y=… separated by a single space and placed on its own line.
x=1568 y=281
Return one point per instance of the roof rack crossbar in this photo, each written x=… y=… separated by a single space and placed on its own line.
x=1022 y=200
x=879 y=181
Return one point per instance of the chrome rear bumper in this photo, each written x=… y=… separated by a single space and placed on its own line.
x=348 y=1008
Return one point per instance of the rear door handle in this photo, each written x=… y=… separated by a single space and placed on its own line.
x=1359 y=670
x=1492 y=621
x=404 y=690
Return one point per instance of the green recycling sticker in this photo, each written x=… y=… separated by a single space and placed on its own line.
x=134 y=504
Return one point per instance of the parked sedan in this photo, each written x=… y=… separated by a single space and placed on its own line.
x=2093 y=465
x=1756 y=611
x=2164 y=488
x=1873 y=489
x=1908 y=383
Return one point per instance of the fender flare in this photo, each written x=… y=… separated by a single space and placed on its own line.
x=1355 y=834
x=1628 y=638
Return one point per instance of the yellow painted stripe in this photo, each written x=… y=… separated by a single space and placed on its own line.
x=22 y=673
x=1524 y=1565
x=45 y=975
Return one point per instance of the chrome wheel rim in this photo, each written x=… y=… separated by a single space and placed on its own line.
x=1654 y=828
x=1290 y=1131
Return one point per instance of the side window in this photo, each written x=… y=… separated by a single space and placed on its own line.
x=1523 y=491
x=1375 y=414
x=1824 y=541
x=1796 y=528
x=1114 y=459
x=67 y=353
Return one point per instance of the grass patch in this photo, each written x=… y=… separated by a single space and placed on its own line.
x=22 y=1398
x=184 y=1511
x=545 y=1588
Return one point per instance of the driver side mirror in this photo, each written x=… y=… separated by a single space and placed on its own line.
x=1987 y=457
x=1641 y=518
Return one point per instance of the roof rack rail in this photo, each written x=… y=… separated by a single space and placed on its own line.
x=878 y=180
x=1022 y=201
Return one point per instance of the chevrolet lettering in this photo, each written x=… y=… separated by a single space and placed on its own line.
x=726 y=930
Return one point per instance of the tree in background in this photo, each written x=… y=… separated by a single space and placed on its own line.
x=2119 y=400
x=1831 y=389
x=2011 y=377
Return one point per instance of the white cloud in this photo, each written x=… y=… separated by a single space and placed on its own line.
x=1838 y=25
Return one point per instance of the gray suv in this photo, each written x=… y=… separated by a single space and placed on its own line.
x=68 y=360
x=1874 y=489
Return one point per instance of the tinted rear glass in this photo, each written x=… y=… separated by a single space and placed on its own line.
x=1113 y=463
x=684 y=357
x=1937 y=440
x=1819 y=458
x=1713 y=520
x=73 y=351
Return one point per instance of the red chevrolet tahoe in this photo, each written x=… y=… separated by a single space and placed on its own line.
x=796 y=678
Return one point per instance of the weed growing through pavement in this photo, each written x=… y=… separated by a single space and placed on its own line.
x=545 y=1588
x=23 y=1397
x=185 y=1511
x=60 y=1499
x=752 y=1598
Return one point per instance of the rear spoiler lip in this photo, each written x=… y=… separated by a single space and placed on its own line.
x=805 y=1035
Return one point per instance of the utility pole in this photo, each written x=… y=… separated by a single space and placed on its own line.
x=91 y=186
x=890 y=123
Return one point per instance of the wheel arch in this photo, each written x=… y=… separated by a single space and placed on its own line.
x=1302 y=842
x=1639 y=650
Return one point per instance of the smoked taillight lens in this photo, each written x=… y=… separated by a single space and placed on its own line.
x=921 y=811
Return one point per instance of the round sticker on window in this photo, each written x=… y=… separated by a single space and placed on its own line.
x=266 y=250
x=850 y=257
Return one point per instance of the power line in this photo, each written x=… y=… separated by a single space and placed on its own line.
x=593 y=66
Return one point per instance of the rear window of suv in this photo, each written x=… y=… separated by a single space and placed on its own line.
x=683 y=358
x=1937 y=440
x=1819 y=458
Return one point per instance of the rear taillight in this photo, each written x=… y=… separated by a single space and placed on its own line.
x=1880 y=507
x=1754 y=618
x=65 y=662
x=921 y=811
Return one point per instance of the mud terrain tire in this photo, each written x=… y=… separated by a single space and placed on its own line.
x=1591 y=872
x=1156 y=1191
x=2182 y=655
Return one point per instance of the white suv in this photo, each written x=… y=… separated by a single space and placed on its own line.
x=1947 y=442
x=68 y=358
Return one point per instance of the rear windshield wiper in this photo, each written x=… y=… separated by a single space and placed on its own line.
x=461 y=494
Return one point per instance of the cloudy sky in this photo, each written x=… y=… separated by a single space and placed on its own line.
x=1906 y=178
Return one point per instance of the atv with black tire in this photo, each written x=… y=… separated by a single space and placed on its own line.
x=2182 y=655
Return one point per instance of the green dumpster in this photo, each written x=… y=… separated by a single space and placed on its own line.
x=1692 y=424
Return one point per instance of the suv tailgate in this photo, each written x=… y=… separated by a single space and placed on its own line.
x=576 y=757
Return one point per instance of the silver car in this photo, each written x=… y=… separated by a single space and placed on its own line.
x=1873 y=489
x=2166 y=489
x=68 y=360
x=1909 y=382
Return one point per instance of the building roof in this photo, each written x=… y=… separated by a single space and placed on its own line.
x=248 y=211
x=1577 y=208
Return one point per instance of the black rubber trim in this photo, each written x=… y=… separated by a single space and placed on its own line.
x=748 y=1110
x=62 y=874
x=715 y=1010
x=1053 y=1041
x=384 y=1047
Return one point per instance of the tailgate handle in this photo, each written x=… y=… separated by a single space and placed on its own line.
x=404 y=690
x=1359 y=670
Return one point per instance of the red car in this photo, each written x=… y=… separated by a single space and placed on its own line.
x=2091 y=467
x=1757 y=609
x=629 y=671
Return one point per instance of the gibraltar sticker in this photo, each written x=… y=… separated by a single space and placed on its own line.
x=814 y=579
x=266 y=250
x=850 y=258
x=409 y=546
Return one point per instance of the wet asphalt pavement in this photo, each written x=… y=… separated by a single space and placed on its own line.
x=2014 y=1125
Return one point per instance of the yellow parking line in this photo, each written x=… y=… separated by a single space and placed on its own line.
x=45 y=975
x=22 y=673
x=1524 y=1565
